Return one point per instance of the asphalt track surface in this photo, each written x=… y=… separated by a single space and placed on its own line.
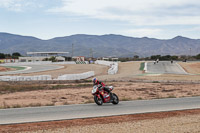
x=50 y=113
x=32 y=69
x=165 y=67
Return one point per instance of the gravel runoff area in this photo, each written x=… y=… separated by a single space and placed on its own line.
x=72 y=69
x=39 y=94
x=191 y=67
x=187 y=121
x=3 y=69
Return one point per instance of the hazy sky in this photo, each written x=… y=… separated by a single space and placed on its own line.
x=46 y=19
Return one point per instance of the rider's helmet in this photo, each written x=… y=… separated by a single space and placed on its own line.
x=94 y=80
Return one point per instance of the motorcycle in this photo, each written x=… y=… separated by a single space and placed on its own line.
x=101 y=96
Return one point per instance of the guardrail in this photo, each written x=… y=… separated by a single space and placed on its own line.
x=113 y=66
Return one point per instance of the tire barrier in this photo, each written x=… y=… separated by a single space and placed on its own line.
x=82 y=62
x=113 y=66
x=76 y=76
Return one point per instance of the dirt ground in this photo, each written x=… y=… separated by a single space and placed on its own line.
x=191 y=67
x=126 y=71
x=72 y=93
x=73 y=69
x=187 y=121
x=2 y=69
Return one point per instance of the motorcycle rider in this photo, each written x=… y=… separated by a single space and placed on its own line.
x=97 y=82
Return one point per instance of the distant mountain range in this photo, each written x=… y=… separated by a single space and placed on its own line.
x=101 y=46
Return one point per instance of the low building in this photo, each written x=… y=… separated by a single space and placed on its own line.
x=79 y=58
x=110 y=59
x=43 y=56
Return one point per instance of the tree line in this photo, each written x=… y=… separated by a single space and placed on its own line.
x=15 y=55
x=169 y=57
x=160 y=57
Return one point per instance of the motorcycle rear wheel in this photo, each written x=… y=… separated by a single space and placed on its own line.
x=115 y=99
x=98 y=101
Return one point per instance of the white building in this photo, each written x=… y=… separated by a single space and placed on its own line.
x=41 y=56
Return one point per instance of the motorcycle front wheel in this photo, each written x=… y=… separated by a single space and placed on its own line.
x=115 y=99
x=98 y=101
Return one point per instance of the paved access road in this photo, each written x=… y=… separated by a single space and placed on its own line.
x=165 y=67
x=37 y=114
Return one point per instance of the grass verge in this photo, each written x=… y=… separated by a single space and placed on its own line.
x=16 y=67
x=142 y=66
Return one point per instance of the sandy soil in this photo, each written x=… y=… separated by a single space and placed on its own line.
x=74 y=69
x=127 y=71
x=191 y=67
x=187 y=121
x=170 y=77
x=2 y=69
x=72 y=93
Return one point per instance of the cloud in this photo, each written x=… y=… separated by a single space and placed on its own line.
x=143 y=12
x=13 y=5
x=21 y=5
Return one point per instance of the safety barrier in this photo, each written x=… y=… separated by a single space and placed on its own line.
x=25 y=78
x=76 y=76
x=113 y=69
x=48 y=77
x=81 y=62
x=45 y=77
x=113 y=66
x=37 y=63
x=67 y=62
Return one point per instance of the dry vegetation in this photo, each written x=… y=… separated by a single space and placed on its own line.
x=23 y=95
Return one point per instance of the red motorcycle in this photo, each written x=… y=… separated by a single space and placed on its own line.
x=101 y=96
